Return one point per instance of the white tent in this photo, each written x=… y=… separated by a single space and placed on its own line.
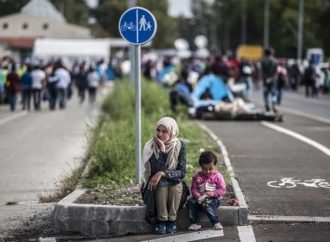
x=72 y=48
x=76 y=48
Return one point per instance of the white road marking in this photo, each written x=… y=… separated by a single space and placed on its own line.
x=223 y=149
x=48 y=239
x=300 y=137
x=308 y=100
x=12 y=117
x=306 y=115
x=246 y=233
x=277 y=218
x=192 y=236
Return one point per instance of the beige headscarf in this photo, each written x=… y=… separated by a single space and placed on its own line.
x=172 y=146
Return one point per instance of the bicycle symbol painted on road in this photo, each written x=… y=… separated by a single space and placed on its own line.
x=290 y=182
x=128 y=26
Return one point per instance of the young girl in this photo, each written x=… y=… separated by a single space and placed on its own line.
x=207 y=186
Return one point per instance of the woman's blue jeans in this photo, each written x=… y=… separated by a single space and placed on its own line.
x=210 y=210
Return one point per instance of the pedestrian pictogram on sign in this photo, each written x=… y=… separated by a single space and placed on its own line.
x=137 y=25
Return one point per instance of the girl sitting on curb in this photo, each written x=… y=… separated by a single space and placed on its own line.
x=206 y=187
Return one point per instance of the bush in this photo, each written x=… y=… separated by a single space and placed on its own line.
x=112 y=143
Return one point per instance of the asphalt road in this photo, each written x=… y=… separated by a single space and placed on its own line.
x=260 y=154
x=37 y=150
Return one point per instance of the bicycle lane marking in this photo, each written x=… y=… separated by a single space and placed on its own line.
x=290 y=182
x=300 y=137
x=12 y=117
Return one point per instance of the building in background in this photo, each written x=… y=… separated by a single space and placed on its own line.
x=37 y=19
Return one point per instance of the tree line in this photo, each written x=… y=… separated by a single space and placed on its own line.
x=226 y=23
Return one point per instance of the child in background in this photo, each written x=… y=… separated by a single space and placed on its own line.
x=207 y=186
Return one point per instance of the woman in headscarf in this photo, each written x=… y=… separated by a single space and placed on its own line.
x=164 y=158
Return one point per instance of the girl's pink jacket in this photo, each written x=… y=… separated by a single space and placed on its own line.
x=213 y=183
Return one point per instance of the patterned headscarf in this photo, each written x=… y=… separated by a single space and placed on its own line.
x=172 y=146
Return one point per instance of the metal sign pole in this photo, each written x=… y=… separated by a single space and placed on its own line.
x=138 y=26
x=137 y=73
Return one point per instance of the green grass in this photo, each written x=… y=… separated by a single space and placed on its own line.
x=112 y=142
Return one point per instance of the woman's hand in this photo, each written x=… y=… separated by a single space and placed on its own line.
x=155 y=179
x=160 y=144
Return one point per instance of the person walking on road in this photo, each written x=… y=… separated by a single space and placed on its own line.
x=26 y=88
x=281 y=80
x=38 y=77
x=310 y=80
x=93 y=81
x=269 y=68
x=206 y=187
x=164 y=158
x=64 y=80
x=12 y=87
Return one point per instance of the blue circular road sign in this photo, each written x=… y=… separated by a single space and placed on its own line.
x=137 y=25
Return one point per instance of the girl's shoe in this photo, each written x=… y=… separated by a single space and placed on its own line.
x=171 y=227
x=217 y=226
x=160 y=228
x=195 y=227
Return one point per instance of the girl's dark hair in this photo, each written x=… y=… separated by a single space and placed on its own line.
x=207 y=157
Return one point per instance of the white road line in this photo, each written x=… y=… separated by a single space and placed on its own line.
x=223 y=149
x=246 y=233
x=306 y=115
x=278 y=218
x=308 y=100
x=193 y=236
x=300 y=137
x=12 y=117
x=48 y=239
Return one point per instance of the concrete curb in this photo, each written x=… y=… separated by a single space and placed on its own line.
x=91 y=219
x=242 y=208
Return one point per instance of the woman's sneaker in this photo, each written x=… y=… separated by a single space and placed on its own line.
x=217 y=226
x=171 y=227
x=160 y=228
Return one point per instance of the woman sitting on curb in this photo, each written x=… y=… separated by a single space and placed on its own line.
x=164 y=158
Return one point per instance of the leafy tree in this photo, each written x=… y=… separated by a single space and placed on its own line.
x=108 y=14
x=9 y=7
x=225 y=17
x=166 y=29
x=74 y=11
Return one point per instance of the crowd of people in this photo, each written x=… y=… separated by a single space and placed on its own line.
x=226 y=78
x=223 y=81
x=31 y=83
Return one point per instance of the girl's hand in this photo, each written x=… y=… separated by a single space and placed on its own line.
x=155 y=179
x=209 y=194
x=160 y=144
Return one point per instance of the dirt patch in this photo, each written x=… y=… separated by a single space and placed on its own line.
x=131 y=196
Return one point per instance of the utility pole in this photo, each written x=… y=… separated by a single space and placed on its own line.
x=300 y=29
x=266 y=24
x=243 y=22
